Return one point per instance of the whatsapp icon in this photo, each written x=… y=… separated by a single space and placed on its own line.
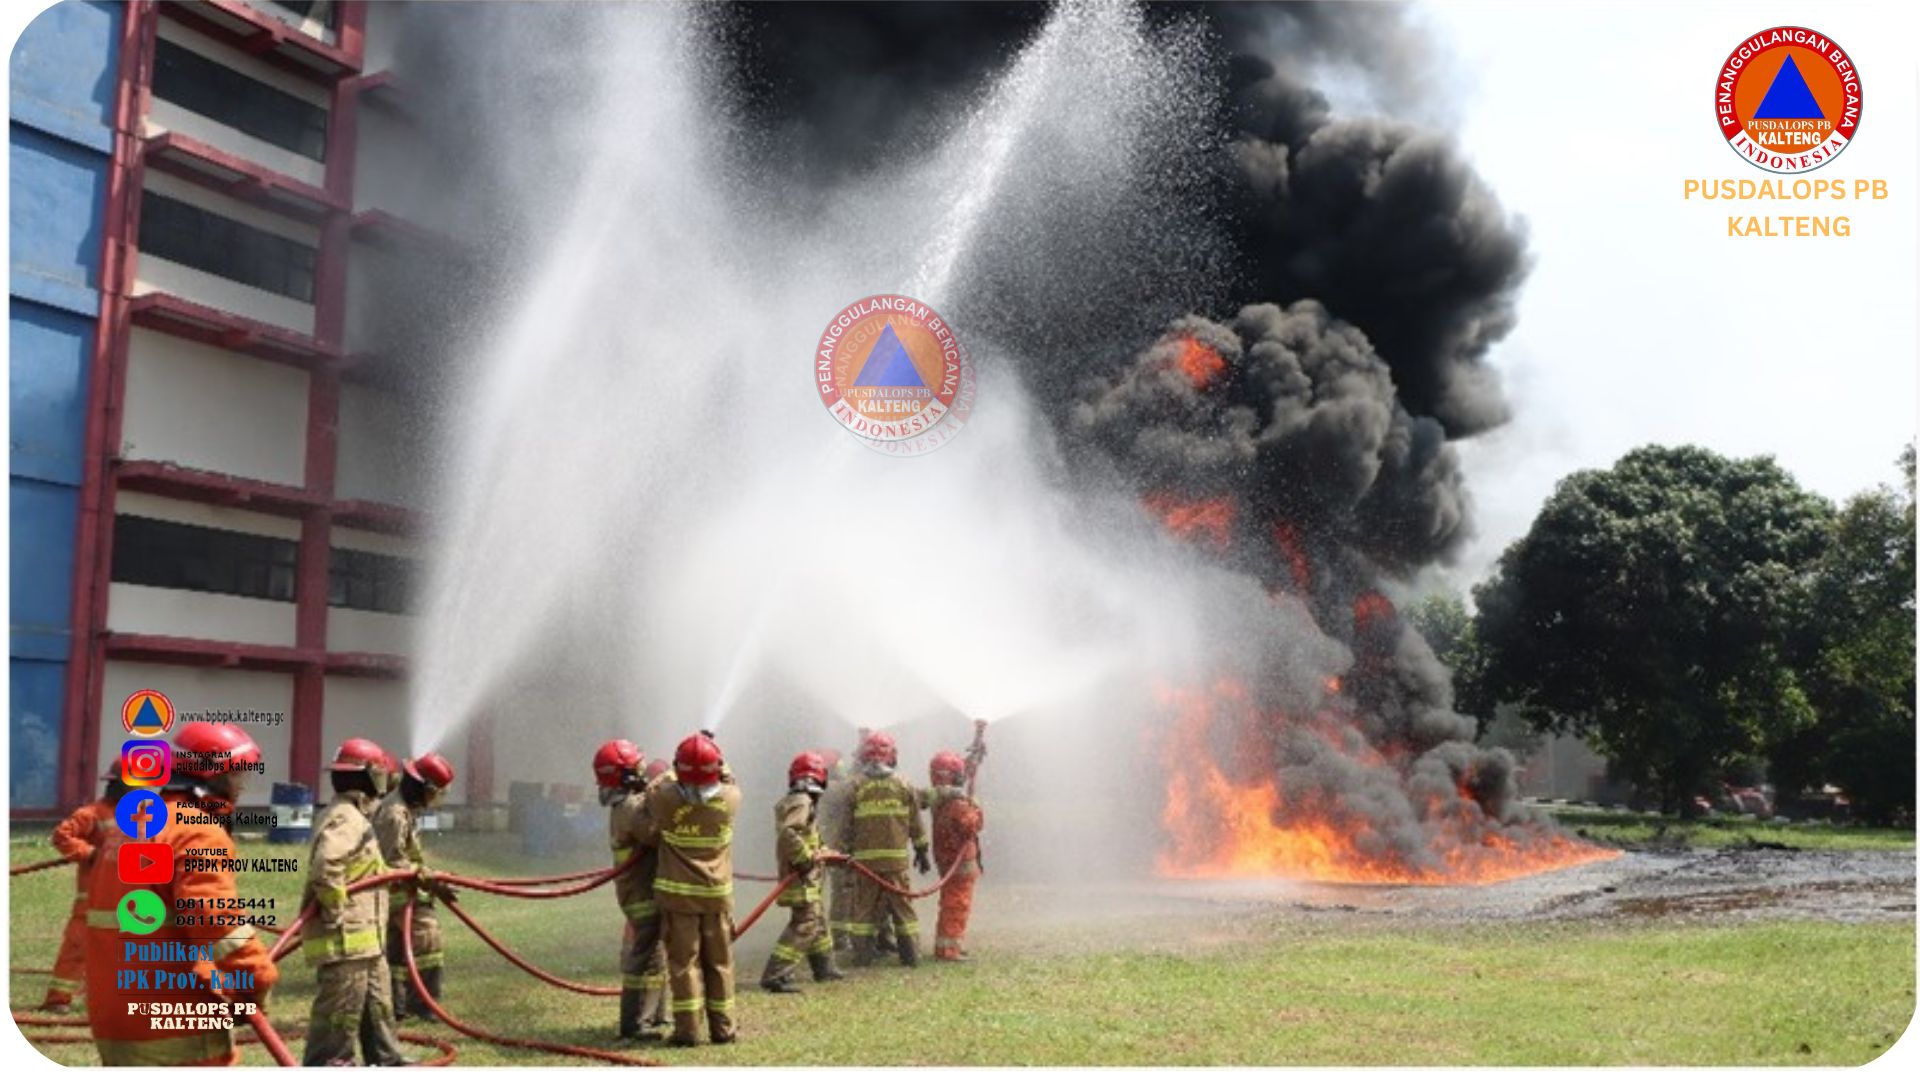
x=141 y=912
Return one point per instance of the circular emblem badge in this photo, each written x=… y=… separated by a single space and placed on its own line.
x=1788 y=99
x=146 y=713
x=893 y=372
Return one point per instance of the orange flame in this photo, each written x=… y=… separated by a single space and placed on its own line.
x=1198 y=362
x=1209 y=520
x=1227 y=826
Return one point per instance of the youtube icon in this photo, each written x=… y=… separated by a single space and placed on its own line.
x=148 y=863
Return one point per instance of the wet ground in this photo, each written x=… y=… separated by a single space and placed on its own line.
x=1700 y=886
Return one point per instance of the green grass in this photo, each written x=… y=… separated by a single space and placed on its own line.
x=1638 y=830
x=1274 y=990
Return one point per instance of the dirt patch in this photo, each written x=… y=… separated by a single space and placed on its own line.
x=1693 y=886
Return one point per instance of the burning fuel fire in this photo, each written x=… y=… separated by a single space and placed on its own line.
x=1227 y=814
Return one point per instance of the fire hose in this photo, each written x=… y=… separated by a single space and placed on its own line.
x=32 y=867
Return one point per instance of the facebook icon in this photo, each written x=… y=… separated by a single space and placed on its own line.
x=141 y=814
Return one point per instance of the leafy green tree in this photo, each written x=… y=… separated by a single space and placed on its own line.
x=1858 y=646
x=1649 y=609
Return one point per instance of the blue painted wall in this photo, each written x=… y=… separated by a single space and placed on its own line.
x=58 y=139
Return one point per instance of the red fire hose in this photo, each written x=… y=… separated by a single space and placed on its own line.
x=420 y=991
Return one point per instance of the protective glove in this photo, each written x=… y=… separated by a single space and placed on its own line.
x=921 y=861
x=435 y=886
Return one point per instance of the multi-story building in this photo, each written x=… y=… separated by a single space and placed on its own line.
x=213 y=480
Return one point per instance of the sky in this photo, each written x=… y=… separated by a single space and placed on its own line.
x=1643 y=322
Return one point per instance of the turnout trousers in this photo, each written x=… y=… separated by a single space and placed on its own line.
x=806 y=935
x=879 y=914
x=351 y=998
x=643 y=966
x=700 y=972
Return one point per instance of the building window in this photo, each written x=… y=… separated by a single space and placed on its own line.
x=326 y=11
x=169 y=555
x=186 y=234
x=365 y=581
x=221 y=94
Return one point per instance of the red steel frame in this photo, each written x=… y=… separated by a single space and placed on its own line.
x=314 y=502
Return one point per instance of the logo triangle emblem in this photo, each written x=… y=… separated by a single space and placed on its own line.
x=888 y=364
x=1789 y=97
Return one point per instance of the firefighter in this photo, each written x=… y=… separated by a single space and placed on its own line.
x=957 y=822
x=797 y=847
x=689 y=821
x=78 y=838
x=618 y=770
x=885 y=821
x=396 y=821
x=211 y=763
x=351 y=996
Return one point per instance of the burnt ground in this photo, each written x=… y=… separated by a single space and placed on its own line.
x=1699 y=886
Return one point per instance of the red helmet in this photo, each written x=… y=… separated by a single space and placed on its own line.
x=947 y=769
x=878 y=749
x=656 y=768
x=209 y=750
x=432 y=769
x=616 y=763
x=359 y=755
x=810 y=767
x=698 y=761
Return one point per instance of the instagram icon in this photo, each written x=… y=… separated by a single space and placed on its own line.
x=145 y=762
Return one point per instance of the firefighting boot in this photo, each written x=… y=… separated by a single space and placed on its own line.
x=823 y=967
x=57 y=1002
x=630 y=1014
x=909 y=950
x=863 y=951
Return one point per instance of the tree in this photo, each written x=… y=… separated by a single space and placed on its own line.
x=1649 y=609
x=1858 y=655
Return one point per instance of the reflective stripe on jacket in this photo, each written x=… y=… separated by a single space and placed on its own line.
x=694 y=840
x=345 y=850
x=884 y=826
x=797 y=843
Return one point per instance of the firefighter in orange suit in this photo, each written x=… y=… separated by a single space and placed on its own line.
x=618 y=771
x=885 y=821
x=797 y=847
x=352 y=1000
x=689 y=821
x=199 y=957
x=78 y=838
x=957 y=821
